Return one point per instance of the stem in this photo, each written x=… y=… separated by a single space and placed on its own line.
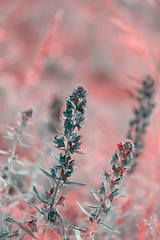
x=59 y=181
x=55 y=192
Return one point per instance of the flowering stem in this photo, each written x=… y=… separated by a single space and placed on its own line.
x=59 y=181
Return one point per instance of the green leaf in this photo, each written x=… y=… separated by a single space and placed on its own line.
x=9 y=219
x=83 y=210
x=108 y=227
x=46 y=173
x=38 y=195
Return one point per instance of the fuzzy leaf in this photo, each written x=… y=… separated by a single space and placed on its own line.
x=11 y=235
x=23 y=145
x=58 y=147
x=38 y=195
x=22 y=172
x=76 y=228
x=4 y=152
x=78 y=236
x=55 y=157
x=33 y=206
x=7 y=137
x=96 y=197
x=21 y=238
x=79 y=152
x=120 y=196
x=62 y=224
x=93 y=206
x=9 y=219
x=9 y=133
x=4 y=235
x=83 y=210
x=4 y=228
x=108 y=227
x=75 y=183
x=20 y=163
x=46 y=173
x=60 y=132
x=97 y=193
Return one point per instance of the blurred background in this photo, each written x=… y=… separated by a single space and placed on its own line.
x=49 y=47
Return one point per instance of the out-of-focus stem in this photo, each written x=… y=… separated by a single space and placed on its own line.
x=10 y=171
x=8 y=180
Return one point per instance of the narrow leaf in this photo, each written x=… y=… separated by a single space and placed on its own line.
x=96 y=192
x=27 y=134
x=83 y=210
x=9 y=219
x=7 y=137
x=59 y=147
x=55 y=157
x=46 y=173
x=11 y=128
x=4 y=235
x=4 y=152
x=22 y=172
x=78 y=236
x=23 y=145
x=60 y=132
x=9 y=133
x=39 y=196
x=120 y=196
x=96 y=197
x=32 y=205
x=79 y=152
x=93 y=206
x=62 y=224
x=108 y=227
x=77 y=228
x=75 y=183
x=20 y=163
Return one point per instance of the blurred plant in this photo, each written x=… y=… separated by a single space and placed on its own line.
x=69 y=144
x=55 y=111
x=109 y=187
x=8 y=172
x=139 y=124
x=152 y=228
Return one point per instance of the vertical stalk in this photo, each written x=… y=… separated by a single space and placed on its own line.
x=59 y=181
